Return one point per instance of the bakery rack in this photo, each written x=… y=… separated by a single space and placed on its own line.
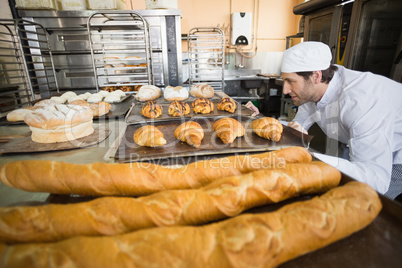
x=120 y=49
x=26 y=64
x=206 y=51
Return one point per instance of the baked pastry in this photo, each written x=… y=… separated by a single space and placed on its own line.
x=84 y=96
x=202 y=91
x=108 y=66
x=80 y=103
x=137 y=87
x=18 y=114
x=69 y=94
x=221 y=199
x=59 y=99
x=74 y=99
x=190 y=132
x=119 y=65
x=96 y=97
x=132 y=179
x=59 y=123
x=103 y=93
x=112 y=98
x=125 y=88
x=148 y=93
x=46 y=102
x=250 y=240
x=151 y=109
x=227 y=104
x=228 y=129
x=268 y=128
x=100 y=108
x=118 y=92
x=178 y=108
x=109 y=88
x=149 y=136
x=203 y=106
x=175 y=93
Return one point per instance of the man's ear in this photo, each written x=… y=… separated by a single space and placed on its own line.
x=317 y=76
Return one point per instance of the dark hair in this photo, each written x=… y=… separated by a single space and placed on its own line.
x=326 y=74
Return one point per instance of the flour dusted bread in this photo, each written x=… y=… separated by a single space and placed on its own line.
x=202 y=91
x=134 y=179
x=175 y=93
x=221 y=199
x=248 y=240
x=268 y=128
x=100 y=108
x=47 y=102
x=148 y=93
x=190 y=132
x=59 y=123
x=228 y=129
x=149 y=136
x=18 y=114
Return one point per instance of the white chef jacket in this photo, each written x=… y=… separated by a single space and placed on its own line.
x=364 y=111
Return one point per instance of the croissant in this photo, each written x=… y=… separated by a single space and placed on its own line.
x=202 y=106
x=227 y=104
x=178 y=108
x=149 y=136
x=190 y=132
x=268 y=128
x=151 y=109
x=228 y=129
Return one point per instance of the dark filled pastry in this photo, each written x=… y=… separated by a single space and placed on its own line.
x=151 y=109
x=203 y=106
x=227 y=104
x=178 y=108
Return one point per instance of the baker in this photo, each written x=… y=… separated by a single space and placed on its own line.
x=361 y=110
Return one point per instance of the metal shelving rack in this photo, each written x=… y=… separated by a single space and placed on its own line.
x=26 y=64
x=120 y=49
x=206 y=53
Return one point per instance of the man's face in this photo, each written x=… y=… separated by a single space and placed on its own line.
x=298 y=88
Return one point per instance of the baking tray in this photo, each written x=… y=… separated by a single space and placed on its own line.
x=129 y=151
x=24 y=144
x=134 y=115
x=119 y=109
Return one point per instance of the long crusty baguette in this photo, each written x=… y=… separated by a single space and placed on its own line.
x=222 y=198
x=138 y=178
x=249 y=240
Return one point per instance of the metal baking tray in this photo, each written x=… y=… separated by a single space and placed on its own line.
x=134 y=115
x=129 y=151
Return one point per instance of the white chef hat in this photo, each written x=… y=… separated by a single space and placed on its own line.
x=306 y=57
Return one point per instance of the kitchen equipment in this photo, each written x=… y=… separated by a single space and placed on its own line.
x=120 y=49
x=206 y=53
x=26 y=64
x=70 y=45
x=241 y=28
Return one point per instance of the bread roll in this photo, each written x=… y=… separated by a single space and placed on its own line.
x=203 y=106
x=225 y=197
x=268 y=128
x=175 y=93
x=148 y=93
x=178 y=108
x=59 y=123
x=59 y=99
x=96 y=97
x=112 y=98
x=100 y=108
x=149 y=136
x=151 y=109
x=69 y=94
x=202 y=91
x=80 y=102
x=136 y=179
x=190 y=132
x=249 y=240
x=47 y=102
x=228 y=129
x=18 y=114
x=227 y=104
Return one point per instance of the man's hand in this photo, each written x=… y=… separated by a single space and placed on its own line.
x=297 y=126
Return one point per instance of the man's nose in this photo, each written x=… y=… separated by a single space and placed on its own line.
x=286 y=88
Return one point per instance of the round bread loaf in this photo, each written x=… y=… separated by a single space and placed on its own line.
x=148 y=93
x=69 y=94
x=202 y=91
x=80 y=103
x=18 y=114
x=175 y=93
x=46 y=102
x=60 y=123
x=59 y=99
x=100 y=108
x=96 y=97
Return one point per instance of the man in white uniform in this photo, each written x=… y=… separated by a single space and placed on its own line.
x=359 y=109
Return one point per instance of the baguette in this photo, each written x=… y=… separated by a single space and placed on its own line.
x=226 y=197
x=249 y=240
x=136 y=179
